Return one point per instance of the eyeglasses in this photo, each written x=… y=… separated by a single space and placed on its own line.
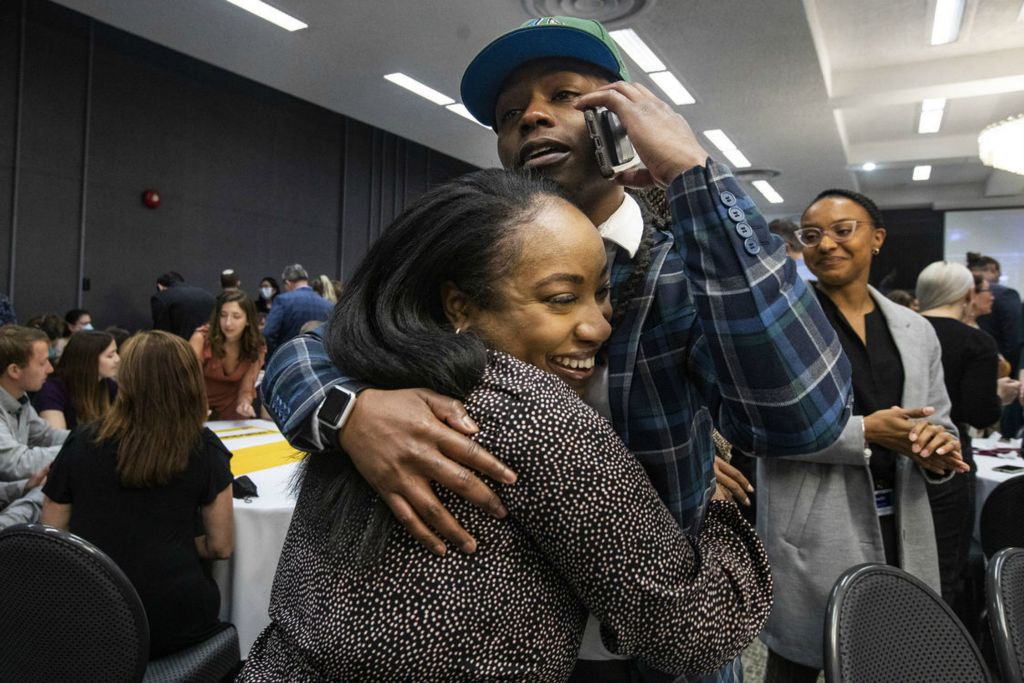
x=840 y=231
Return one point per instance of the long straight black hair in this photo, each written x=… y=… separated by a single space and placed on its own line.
x=389 y=327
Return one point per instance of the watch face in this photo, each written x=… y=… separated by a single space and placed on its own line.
x=334 y=406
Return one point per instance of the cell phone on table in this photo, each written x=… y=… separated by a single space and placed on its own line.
x=1008 y=469
x=612 y=147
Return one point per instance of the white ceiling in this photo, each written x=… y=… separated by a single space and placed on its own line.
x=811 y=88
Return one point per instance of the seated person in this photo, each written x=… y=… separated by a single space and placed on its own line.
x=132 y=482
x=27 y=442
x=82 y=387
x=494 y=289
x=230 y=350
x=21 y=501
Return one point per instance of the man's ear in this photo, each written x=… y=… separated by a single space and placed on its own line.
x=13 y=371
x=456 y=305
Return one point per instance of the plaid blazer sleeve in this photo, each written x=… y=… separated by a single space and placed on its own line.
x=295 y=383
x=776 y=377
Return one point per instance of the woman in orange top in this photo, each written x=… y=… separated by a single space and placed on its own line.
x=230 y=350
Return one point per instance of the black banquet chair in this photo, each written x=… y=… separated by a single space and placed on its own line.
x=70 y=614
x=884 y=625
x=1000 y=516
x=1004 y=586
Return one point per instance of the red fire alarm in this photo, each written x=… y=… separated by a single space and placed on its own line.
x=151 y=198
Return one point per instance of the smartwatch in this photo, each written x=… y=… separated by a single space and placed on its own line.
x=333 y=413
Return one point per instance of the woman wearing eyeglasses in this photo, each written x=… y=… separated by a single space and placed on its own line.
x=863 y=499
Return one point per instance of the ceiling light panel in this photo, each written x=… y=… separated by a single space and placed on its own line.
x=946 y=24
x=769 y=193
x=461 y=110
x=420 y=89
x=930 y=121
x=727 y=147
x=736 y=158
x=672 y=88
x=637 y=50
x=922 y=173
x=869 y=166
x=271 y=14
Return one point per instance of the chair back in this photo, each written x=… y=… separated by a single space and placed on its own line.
x=68 y=612
x=1004 y=589
x=1000 y=527
x=884 y=625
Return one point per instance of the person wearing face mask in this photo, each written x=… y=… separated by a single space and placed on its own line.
x=230 y=350
x=268 y=290
x=83 y=386
x=78 y=319
x=862 y=499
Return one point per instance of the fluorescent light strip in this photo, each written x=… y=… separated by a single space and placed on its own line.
x=930 y=121
x=637 y=49
x=727 y=147
x=766 y=189
x=671 y=86
x=271 y=14
x=415 y=86
x=461 y=110
x=946 y=26
x=922 y=172
x=933 y=104
x=869 y=166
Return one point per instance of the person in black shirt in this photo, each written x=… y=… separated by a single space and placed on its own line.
x=970 y=360
x=862 y=499
x=134 y=482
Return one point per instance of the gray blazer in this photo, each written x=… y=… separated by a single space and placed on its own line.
x=816 y=512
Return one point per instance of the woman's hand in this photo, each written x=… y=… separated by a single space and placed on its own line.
x=905 y=431
x=1008 y=389
x=732 y=481
x=245 y=409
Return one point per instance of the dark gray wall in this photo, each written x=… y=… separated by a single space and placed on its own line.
x=913 y=239
x=250 y=178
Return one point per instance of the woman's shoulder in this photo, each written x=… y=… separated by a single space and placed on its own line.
x=53 y=395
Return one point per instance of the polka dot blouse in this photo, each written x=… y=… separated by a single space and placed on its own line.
x=585 y=532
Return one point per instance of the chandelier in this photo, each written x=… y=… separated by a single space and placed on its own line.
x=1001 y=145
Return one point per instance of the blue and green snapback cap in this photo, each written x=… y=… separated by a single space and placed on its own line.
x=583 y=39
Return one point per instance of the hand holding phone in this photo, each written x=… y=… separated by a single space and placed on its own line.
x=612 y=147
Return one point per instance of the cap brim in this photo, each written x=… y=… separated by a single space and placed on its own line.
x=482 y=81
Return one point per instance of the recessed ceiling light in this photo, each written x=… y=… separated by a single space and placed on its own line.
x=933 y=104
x=461 y=110
x=671 y=86
x=637 y=49
x=766 y=189
x=930 y=121
x=415 y=86
x=271 y=14
x=736 y=158
x=869 y=166
x=946 y=25
x=922 y=172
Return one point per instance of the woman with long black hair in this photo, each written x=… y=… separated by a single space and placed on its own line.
x=493 y=289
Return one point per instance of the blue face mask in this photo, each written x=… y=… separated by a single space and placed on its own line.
x=51 y=353
x=266 y=292
x=87 y=326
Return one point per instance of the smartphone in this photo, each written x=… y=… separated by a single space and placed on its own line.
x=612 y=147
x=1008 y=469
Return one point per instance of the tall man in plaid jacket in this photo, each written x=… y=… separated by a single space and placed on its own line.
x=712 y=327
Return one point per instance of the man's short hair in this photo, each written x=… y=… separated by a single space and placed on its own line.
x=16 y=344
x=229 y=278
x=72 y=316
x=294 y=273
x=569 y=38
x=170 y=278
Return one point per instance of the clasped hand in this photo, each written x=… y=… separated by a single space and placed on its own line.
x=908 y=432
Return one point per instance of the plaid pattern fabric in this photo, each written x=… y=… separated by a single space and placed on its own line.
x=720 y=337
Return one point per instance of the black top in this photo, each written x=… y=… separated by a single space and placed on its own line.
x=55 y=395
x=149 y=532
x=586 y=531
x=181 y=308
x=970 y=364
x=877 y=385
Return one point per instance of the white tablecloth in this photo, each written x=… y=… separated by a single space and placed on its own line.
x=261 y=524
x=988 y=479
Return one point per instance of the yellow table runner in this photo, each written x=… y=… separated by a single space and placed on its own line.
x=255 y=458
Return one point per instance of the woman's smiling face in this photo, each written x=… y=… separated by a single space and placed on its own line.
x=555 y=305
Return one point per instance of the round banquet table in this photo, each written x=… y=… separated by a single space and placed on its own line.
x=260 y=452
x=988 y=455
